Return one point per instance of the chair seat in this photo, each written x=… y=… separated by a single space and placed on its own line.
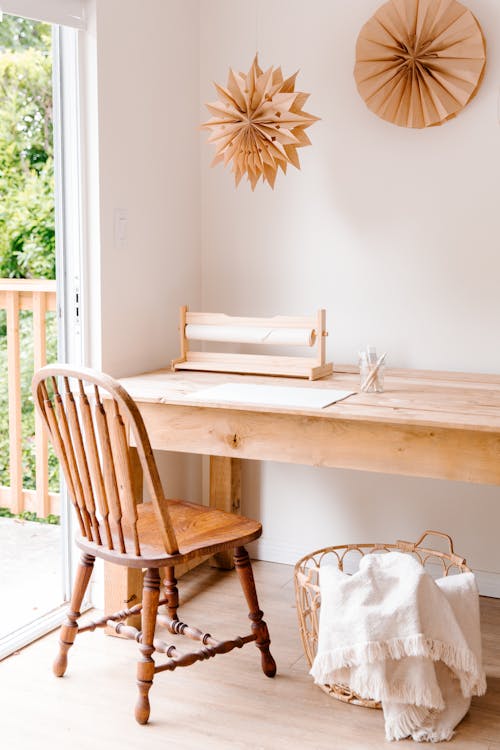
x=200 y=531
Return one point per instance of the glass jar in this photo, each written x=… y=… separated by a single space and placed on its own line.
x=369 y=382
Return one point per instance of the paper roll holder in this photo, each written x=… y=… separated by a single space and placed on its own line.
x=311 y=367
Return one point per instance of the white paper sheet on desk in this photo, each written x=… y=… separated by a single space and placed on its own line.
x=270 y=395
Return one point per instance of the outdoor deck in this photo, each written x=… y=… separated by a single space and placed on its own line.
x=30 y=571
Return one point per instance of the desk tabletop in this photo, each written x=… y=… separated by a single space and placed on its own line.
x=411 y=397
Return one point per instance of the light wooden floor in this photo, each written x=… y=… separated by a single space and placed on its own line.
x=224 y=703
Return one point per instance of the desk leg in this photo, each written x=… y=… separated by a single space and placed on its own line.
x=123 y=586
x=225 y=494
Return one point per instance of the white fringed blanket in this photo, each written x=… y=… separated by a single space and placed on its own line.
x=393 y=634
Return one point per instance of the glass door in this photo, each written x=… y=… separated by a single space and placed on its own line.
x=35 y=327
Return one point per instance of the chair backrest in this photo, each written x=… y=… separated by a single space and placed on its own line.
x=88 y=416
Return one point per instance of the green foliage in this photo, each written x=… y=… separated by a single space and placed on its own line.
x=29 y=515
x=27 y=223
x=27 y=235
x=22 y=33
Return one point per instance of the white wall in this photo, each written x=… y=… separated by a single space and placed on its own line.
x=396 y=232
x=148 y=86
x=147 y=72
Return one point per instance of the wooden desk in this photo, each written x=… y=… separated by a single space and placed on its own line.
x=428 y=424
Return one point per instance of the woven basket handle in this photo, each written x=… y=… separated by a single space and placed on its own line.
x=412 y=545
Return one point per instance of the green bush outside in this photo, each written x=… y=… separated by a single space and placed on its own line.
x=29 y=515
x=27 y=223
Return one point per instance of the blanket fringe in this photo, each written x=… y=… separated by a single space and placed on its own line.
x=374 y=688
x=460 y=660
x=432 y=735
x=414 y=722
x=406 y=723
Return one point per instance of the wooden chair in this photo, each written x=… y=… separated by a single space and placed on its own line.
x=88 y=417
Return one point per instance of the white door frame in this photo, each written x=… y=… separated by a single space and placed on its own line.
x=68 y=192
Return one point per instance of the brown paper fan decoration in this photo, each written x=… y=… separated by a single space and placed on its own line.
x=419 y=62
x=258 y=123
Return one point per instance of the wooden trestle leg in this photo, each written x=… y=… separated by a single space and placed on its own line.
x=146 y=665
x=259 y=627
x=225 y=494
x=69 y=628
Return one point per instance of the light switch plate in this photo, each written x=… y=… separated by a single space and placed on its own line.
x=120 y=228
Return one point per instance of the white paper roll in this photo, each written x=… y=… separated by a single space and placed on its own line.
x=235 y=334
x=251 y=335
x=292 y=336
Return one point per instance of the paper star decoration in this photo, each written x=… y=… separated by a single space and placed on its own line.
x=419 y=62
x=258 y=124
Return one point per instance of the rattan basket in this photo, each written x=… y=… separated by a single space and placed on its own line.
x=308 y=593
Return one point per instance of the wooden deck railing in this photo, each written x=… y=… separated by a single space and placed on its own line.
x=38 y=295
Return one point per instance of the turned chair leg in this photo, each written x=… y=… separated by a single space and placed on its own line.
x=172 y=592
x=259 y=627
x=146 y=665
x=69 y=628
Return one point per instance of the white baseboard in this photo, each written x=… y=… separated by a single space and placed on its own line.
x=265 y=549
x=488 y=583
